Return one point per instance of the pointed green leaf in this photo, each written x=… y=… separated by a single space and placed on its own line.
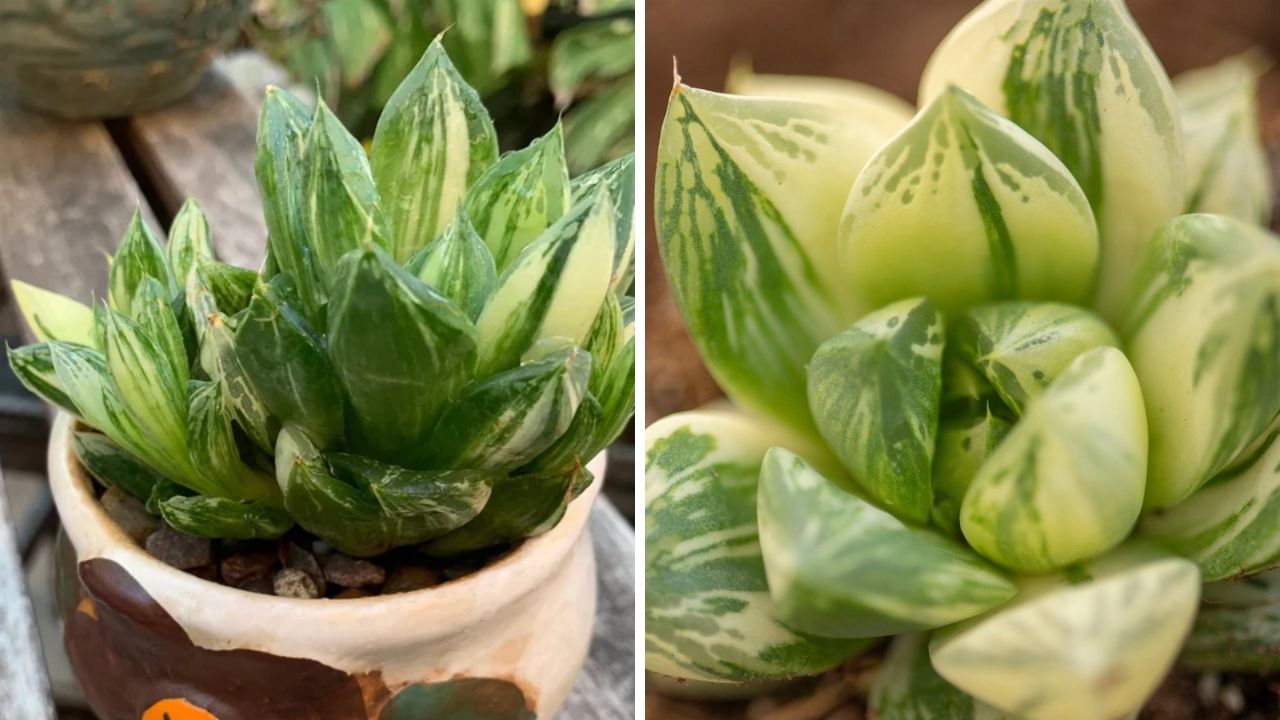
x=33 y=366
x=590 y=50
x=287 y=365
x=576 y=446
x=1021 y=347
x=840 y=567
x=601 y=127
x=908 y=688
x=486 y=39
x=886 y=111
x=51 y=316
x=113 y=466
x=995 y=212
x=1094 y=643
x=223 y=519
x=83 y=375
x=618 y=179
x=521 y=506
x=708 y=614
x=140 y=255
x=460 y=267
x=1203 y=329
x=964 y=444
x=147 y=385
x=219 y=361
x=1081 y=78
x=401 y=353
x=874 y=391
x=747 y=199
x=1227 y=168
x=189 y=240
x=520 y=196
x=1237 y=628
x=230 y=286
x=616 y=392
x=1067 y=482
x=219 y=471
x=605 y=338
x=153 y=312
x=433 y=141
x=418 y=505
x=506 y=420
x=359 y=33
x=553 y=289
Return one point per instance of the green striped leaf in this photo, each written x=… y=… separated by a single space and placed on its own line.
x=1021 y=347
x=51 y=316
x=401 y=352
x=521 y=506
x=83 y=375
x=840 y=567
x=605 y=338
x=189 y=240
x=616 y=391
x=908 y=688
x=459 y=266
x=590 y=50
x=215 y=457
x=506 y=420
x=1237 y=628
x=154 y=314
x=359 y=33
x=139 y=255
x=230 y=286
x=708 y=614
x=339 y=203
x=964 y=444
x=33 y=366
x=601 y=127
x=219 y=361
x=287 y=365
x=1203 y=329
x=748 y=197
x=487 y=40
x=874 y=391
x=154 y=397
x=864 y=103
x=576 y=446
x=1227 y=168
x=418 y=505
x=113 y=466
x=223 y=519
x=618 y=179
x=554 y=289
x=466 y=698
x=1081 y=78
x=433 y=141
x=1230 y=527
x=1094 y=643
x=1066 y=483
x=520 y=196
x=996 y=214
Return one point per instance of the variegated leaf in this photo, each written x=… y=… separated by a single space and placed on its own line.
x=223 y=519
x=1066 y=484
x=1081 y=78
x=708 y=614
x=602 y=126
x=113 y=466
x=996 y=214
x=1237 y=628
x=1021 y=347
x=618 y=180
x=401 y=352
x=590 y=50
x=51 y=316
x=520 y=196
x=487 y=39
x=964 y=444
x=1092 y=643
x=874 y=391
x=417 y=505
x=747 y=199
x=433 y=141
x=1203 y=330
x=576 y=446
x=189 y=240
x=218 y=360
x=215 y=457
x=286 y=363
x=506 y=420
x=154 y=314
x=521 y=506
x=33 y=366
x=1230 y=527
x=140 y=255
x=882 y=109
x=340 y=205
x=554 y=289
x=605 y=338
x=230 y=286
x=460 y=267
x=840 y=567
x=358 y=33
x=908 y=688
x=616 y=391
x=146 y=383
x=1227 y=168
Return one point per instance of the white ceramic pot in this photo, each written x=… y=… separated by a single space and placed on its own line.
x=149 y=641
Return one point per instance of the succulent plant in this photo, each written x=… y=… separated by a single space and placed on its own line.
x=435 y=346
x=993 y=392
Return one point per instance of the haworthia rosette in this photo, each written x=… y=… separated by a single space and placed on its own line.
x=189 y=240
x=874 y=391
x=51 y=316
x=139 y=255
x=434 y=139
x=996 y=214
x=908 y=688
x=1066 y=483
x=708 y=614
x=1092 y=644
x=1203 y=333
x=1080 y=77
x=747 y=199
x=864 y=103
x=459 y=266
x=840 y=567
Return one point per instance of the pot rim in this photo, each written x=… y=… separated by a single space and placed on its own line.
x=451 y=605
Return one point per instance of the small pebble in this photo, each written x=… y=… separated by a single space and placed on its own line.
x=261 y=585
x=351 y=593
x=295 y=583
x=351 y=573
x=1233 y=698
x=299 y=559
x=1207 y=688
x=407 y=578
x=130 y=514
x=179 y=549
x=241 y=568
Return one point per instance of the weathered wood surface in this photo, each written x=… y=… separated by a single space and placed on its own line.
x=24 y=687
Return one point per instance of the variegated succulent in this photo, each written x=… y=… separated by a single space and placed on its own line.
x=435 y=346
x=995 y=392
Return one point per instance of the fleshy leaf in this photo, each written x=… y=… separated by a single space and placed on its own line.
x=996 y=214
x=33 y=366
x=1082 y=79
x=747 y=199
x=215 y=457
x=601 y=127
x=219 y=361
x=459 y=266
x=708 y=614
x=1203 y=332
x=1094 y=643
x=616 y=392
x=840 y=567
x=114 y=466
x=618 y=179
x=576 y=446
x=140 y=255
x=359 y=33
x=154 y=314
x=908 y=688
x=51 y=316
x=419 y=504
x=605 y=338
x=82 y=374
x=590 y=50
x=520 y=506
x=230 y=286
x=874 y=391
x=520 y=196
x=189 y=240
x=964 y=444
x=882 y=109
x=223 y=519
x=1237 y=628
x=433 y=141
x=487 y=40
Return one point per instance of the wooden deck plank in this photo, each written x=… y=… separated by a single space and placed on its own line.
x=24 y=686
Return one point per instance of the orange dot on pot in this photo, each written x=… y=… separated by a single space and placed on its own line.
x=176 y=709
